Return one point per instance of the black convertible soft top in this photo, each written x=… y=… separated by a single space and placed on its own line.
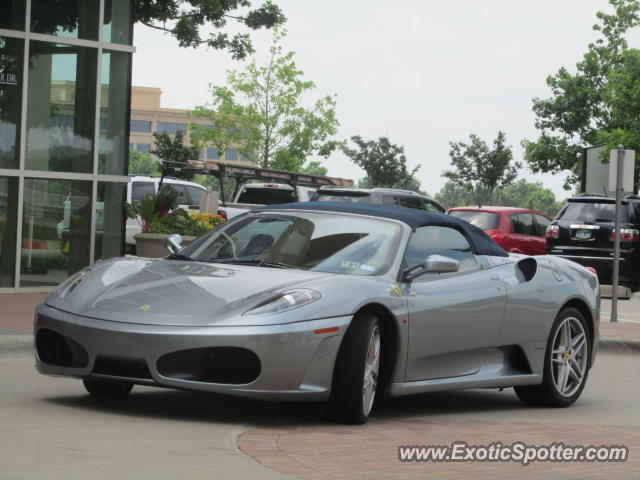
x=480 y=241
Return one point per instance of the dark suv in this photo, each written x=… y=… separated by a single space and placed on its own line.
x=583 y=231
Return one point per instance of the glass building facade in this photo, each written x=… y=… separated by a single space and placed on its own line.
x=65 y=82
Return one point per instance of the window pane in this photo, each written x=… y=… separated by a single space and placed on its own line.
x=195 y=194
x=172 y=127
x=483 y=220
x=11 y=50
x=12 y=14
x=117 y=21
x=61 y=108
x=109 y=219
x=113 y=112
x=143 y=147
x=56 y=229
x=541 y=225
x=8 y=222
x=212 y=153
x=523 y=224
x=143 y=126
x=140 y=189
x=75 y=19
x=445 y=241
x=232 y=155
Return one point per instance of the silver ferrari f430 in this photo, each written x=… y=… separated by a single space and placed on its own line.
x=318 y=301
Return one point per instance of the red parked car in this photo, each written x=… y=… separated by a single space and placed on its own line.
x=517 y=230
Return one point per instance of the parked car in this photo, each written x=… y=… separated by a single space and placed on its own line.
x=327 y=301
x=252 y=195
x=517 y=230
x=583 y=231
x=385 y=196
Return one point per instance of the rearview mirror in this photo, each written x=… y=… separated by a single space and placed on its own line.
x=433 y=264
x=173 y=242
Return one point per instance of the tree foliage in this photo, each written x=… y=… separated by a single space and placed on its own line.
x=174 y=150
x=384 y=163
x=520 y=194
x=186 y=20
x=481 y=169
x=260 y=111
x=142 y=164
x=599 y=103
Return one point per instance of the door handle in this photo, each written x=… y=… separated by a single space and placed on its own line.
x=495 y=276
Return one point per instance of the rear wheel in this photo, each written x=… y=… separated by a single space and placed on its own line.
x=355 y=377
x=107 y=388
x=566 y=363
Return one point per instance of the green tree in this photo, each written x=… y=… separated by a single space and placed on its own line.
x=521 y=194
x=260 y=110
x=482 y=169
x=533 y=195
x=453 y=194
x=314 y=168
x=142 y=164
x=595 y=104
x=174 y=150
x=384 y=163
x=186 y=20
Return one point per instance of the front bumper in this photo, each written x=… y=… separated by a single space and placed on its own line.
x=296 y=363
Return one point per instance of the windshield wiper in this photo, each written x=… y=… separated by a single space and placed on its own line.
x=180 y=256
x=255 y=261
x=598 y=219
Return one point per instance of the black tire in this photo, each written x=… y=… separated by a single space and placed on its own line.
x=346 y=402
x=547 y=394
x=107 y=388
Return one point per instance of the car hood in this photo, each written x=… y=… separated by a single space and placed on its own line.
x=171 y=292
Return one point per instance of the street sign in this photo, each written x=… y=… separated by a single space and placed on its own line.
x=628 y=170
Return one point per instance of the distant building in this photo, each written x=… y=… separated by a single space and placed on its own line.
x=147 y=117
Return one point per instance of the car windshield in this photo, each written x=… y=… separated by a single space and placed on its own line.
x=322 y=242
x=483 y=220
x=362 y=197
x=591 y=212
x=266 y=195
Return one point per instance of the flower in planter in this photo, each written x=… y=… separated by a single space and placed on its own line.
x=188 y=224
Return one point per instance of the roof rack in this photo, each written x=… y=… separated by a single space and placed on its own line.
x=244 y=173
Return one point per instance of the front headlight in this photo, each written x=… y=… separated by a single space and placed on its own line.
x=67 y=287
x=285 y=301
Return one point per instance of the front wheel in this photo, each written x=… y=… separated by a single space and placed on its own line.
x=566 y=363
x=355 y=377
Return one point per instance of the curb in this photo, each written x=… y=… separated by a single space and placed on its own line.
x=14 y=344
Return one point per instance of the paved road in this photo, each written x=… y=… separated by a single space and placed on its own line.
x=50 y=429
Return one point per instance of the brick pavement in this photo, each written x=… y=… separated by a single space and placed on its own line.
x=370 y=451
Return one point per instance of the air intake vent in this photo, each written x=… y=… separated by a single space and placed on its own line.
x=230 y=365
x=129 y=367
x=56 y=349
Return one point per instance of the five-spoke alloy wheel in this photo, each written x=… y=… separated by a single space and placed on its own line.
x=566 y=364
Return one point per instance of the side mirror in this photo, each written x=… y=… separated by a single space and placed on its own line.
x=433 y=264
x=173 y=242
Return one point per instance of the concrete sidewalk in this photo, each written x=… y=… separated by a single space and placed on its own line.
x=16 y=323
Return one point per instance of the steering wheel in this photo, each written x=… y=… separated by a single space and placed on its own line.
x=234 y=250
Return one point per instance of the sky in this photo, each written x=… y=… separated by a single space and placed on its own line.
x=423 y=73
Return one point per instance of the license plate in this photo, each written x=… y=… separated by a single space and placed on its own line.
x=583 y=234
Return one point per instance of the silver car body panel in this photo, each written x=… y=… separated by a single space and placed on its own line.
x=483 y=328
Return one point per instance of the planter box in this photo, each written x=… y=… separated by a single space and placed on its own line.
x=149 y=245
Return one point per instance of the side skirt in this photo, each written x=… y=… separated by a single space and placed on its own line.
x=477 y=380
